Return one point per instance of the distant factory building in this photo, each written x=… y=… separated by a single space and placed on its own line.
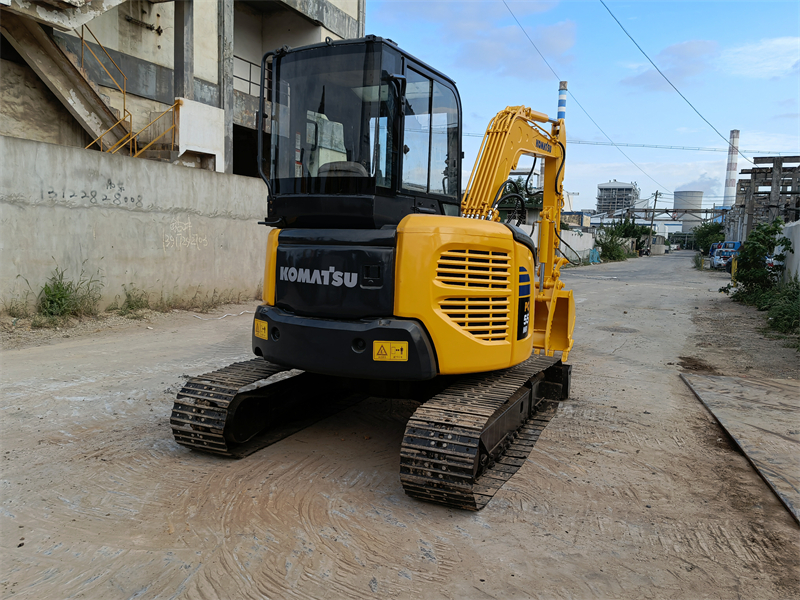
x=616 y=195
x=577 y=219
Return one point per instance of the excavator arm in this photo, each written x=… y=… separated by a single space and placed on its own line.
x=514 y=132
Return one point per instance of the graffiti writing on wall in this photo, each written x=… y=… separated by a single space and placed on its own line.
x=180 y=236
x=111 y=194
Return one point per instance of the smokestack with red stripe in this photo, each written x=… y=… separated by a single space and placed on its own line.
x=730 y=177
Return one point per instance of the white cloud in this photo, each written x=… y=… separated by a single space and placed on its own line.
x=483 y=34
x=679 y=62
x=711 y=186
x=776 y=57
x=769 y=141
x=707 y=175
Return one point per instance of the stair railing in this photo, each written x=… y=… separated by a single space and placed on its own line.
x=127 y=138
x=172 y=128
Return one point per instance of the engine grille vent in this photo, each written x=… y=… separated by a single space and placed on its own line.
x=485 y=318
x=474 y=268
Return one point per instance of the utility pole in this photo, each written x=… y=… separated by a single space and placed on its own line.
x=652 y=218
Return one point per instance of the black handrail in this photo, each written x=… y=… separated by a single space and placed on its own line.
x=261 y=122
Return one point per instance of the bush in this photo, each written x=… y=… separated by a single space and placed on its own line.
x=698 y=262
x=18 y=307
x=610 y=244
x=62 y=297
x=135 y=300
x=753 y=274
x=760 y=284
x=707 y=234
x=784 y=314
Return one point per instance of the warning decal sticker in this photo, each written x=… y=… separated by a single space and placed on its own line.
x=391 y=351
x=261 y=329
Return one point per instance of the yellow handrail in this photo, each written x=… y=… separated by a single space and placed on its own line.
x=171 y=128
x=128 y=117
x=124 y=87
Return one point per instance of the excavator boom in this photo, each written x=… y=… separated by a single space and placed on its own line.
x=515 y=132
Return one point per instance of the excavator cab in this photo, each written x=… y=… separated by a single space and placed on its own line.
x=370 y=271
x=362 y=134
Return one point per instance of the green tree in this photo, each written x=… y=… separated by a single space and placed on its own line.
x=626 y=228
x=610 y=243
x=707 y=234
x=753 y=273
x=533 y=199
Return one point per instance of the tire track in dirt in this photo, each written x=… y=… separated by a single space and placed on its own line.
x=302 y=531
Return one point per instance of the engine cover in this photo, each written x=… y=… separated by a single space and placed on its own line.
x=345 y=274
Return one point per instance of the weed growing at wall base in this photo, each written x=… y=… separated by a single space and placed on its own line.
x=135 y=300
x=61 y=298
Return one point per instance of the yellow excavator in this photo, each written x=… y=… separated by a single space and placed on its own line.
x=382 y=278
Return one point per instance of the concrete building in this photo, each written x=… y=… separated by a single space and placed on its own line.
x=577 y=219
x=175 y=82
x=771 y=191
x=72 y=70
x=616 y=196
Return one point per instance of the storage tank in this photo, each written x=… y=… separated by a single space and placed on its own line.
x=687 y=199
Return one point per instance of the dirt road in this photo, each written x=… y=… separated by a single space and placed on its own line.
x=632 y=491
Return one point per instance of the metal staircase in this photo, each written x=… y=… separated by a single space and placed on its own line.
x=64 y=74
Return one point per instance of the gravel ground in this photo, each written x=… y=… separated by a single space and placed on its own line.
x=633 y=491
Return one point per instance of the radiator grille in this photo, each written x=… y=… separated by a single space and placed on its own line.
x=474 y=268
x=485 y=318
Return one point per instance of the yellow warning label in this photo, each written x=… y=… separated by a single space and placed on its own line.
x=261 y=329
x=392 y=351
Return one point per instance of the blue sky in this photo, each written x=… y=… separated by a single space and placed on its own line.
x=737 y=62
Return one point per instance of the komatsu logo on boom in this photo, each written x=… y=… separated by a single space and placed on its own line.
x=329 y=276
x=544 y=146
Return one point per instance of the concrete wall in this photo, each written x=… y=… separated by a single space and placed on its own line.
x=29 y=110
x=162 y=228
x=792 y=262
x=201 y=128
x=580 y=242
x=256 y=33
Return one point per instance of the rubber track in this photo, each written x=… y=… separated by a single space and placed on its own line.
x=442 y=438
x=201 y=409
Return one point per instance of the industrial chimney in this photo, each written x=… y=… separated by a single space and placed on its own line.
x=730 y=176
x=562 y=99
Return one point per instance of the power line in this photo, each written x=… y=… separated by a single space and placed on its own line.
x=578 y=103
x=672 y=84
x=657 y=146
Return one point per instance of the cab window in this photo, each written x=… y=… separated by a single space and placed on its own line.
x=416 y=132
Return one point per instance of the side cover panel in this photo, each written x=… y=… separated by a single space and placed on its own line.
x=462 y=279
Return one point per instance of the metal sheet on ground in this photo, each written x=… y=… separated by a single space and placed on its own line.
x=763 y=418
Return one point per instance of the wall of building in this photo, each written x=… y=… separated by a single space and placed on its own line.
x=29 y=110
x=114 y=32
x=792 y=262
x=348 y=6
x=162 y=228
x=257 y=32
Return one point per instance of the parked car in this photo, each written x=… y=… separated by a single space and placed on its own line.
x=722 y=257
x=730 y=245
x=713 y=248
x=773 y=262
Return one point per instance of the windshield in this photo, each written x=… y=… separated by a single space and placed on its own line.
x=334 y=125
